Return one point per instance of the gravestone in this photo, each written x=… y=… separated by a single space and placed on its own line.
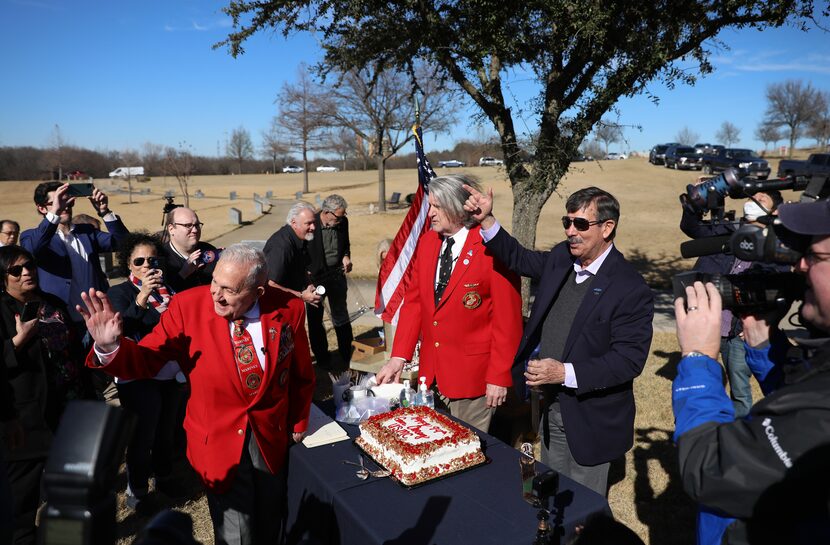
x=232 y=195
x=199 y=194
x=235 y=216
x=258 y=207
x=256 y=196
x=269 y=194
x=298 y=195
x=318 y=201
x=169 y=193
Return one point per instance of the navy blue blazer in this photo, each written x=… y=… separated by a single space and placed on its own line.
x=53 y=265
x=608 y=344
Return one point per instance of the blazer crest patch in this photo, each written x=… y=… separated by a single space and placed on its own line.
x=471 y=300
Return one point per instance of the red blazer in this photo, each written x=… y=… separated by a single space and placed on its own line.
x=470 y=340
x=218 y=412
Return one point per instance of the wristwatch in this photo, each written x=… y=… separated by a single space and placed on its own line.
x=695 y=354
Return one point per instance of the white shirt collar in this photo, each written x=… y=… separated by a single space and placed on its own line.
x=459 y=239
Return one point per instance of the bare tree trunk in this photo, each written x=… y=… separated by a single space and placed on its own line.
x=129 y=188
x=305 y=170
x=527 y=206
x=381 y=183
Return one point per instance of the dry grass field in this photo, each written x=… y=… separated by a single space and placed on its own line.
x=646 y=494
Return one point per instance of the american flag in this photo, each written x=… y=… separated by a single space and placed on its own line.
x=395 y=272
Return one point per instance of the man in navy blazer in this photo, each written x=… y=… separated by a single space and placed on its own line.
x=587 y=338
x=67 y=253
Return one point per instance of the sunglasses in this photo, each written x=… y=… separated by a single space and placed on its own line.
x=17 y=270
x=337 y=218
x=152 y=262
x=581 y=224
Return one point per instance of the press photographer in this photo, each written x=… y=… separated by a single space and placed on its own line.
x=740 y=470
x=733 y=355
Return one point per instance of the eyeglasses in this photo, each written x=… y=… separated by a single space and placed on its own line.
x=581 y=224
x=812 y=257
x=10 y=233
x=189 y=226
x=152 y=261
x=17 y=270
x=337 y=218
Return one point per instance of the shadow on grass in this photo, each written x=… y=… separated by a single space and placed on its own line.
x=669 y=514
x=657 y=271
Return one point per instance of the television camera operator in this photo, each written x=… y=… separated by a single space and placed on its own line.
x=695 y=227
x=741 y=470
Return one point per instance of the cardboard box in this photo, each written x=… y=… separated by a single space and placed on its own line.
x=367 y=347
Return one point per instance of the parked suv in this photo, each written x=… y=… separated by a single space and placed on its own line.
x=683 y=158
x=745 y=160
x=657 y=155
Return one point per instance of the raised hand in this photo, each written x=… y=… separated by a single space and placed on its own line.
x=103 y=323
x=480 y=206
x=61 y=200
x=99 y=201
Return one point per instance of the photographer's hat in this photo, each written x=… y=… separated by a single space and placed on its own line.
x=810 y=218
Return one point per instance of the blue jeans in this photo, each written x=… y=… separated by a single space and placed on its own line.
x=733 y=354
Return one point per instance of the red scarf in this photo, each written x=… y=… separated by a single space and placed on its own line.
x=158 y=298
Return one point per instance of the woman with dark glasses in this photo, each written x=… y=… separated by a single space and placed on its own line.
x=43 y=362
x=155 y=402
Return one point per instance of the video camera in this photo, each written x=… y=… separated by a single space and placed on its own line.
x=769 y=243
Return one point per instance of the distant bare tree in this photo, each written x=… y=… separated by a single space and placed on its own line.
x=819 y=125
x=273 y=144
x=131 y=158
x=687 y=136
x=792 y=105
x=379 y=107
x=152 y=157
x=342 y=142
x=240 y=146
x=57 y=151
x=302 y=106
x=768 y=133
x=608 y=133
x=728 y=134
x=179 y=162
x=592 y=149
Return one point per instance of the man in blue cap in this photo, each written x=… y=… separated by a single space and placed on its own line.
x=763 y=478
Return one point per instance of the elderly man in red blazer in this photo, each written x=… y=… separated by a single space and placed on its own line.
x=244 y=348
x=465 y=307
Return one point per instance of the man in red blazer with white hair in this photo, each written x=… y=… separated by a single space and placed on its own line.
x=465 y=307
x=244 y=348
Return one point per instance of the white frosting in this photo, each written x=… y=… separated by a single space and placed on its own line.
x=415 y=429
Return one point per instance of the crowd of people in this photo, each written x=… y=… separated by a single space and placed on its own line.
x=211 y=350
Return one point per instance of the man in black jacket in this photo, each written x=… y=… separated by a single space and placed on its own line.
x=329 y=262
x=741 y=470
x=189 y=261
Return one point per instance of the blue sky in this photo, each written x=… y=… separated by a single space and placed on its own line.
x=114 y=75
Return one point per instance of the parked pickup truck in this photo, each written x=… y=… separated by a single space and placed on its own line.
x=816 y=164
x=746 y=161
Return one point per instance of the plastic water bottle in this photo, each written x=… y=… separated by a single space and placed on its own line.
x=424 y=396
x=407 y=395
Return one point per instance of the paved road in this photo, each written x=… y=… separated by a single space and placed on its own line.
x=263 y=227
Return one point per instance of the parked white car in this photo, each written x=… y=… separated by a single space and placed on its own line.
x=614 y=156
x=327 y=168
x=452 y=163
x=490 y=162
x=292 y=169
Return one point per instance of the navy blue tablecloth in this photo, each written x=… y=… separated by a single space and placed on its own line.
x=328 y=504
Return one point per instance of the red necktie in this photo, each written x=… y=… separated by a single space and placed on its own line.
x=247 y=362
